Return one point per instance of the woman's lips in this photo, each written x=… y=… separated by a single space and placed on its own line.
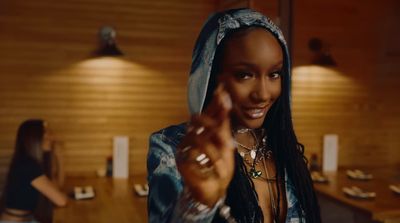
x=255 y=113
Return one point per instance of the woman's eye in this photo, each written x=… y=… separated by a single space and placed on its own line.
x=243 y=75
x=275 y=75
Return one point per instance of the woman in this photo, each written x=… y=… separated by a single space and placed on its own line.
x=26 y=178
x=241 y=152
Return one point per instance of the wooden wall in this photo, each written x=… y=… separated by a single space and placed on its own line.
x=231 y=4
x=46 y=72
x=357 y=99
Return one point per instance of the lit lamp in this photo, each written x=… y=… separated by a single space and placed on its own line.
x=321 y=55
x=108 y=45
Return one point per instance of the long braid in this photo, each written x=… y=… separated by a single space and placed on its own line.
x=290 y=155
x=242 y=196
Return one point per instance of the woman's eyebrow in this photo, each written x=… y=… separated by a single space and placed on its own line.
x=244 y=64
x=278 y=65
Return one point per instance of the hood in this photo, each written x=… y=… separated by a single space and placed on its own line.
x=211 y=35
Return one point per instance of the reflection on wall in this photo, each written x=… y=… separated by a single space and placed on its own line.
x=326 y=101
x=104 y=97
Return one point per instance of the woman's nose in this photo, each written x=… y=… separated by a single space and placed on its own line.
x=260 y=91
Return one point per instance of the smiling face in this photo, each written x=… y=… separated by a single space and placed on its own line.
x=250 y=69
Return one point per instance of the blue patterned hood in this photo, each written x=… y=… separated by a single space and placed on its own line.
x=211 y=35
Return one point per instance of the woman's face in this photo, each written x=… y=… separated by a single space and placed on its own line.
x=47 y=138
x=251 y=72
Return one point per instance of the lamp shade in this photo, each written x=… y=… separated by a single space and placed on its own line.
x=321 y=55
x=107 y=43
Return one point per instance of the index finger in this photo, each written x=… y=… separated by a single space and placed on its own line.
x=220 y=105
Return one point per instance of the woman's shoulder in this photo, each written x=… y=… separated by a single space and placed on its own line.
x=162 y=150
x=169 y=135
x=163 y=144
x=27 y=168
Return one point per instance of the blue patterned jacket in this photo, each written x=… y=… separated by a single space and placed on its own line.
x=166 y=185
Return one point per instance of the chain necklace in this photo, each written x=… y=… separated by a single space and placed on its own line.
x=256 y=153
x=242 y=130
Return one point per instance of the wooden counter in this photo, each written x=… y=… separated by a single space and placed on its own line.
x=115 y=202
x=384 y=208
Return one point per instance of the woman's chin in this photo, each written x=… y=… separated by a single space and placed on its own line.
x=249 y=123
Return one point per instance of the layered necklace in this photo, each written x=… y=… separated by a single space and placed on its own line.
x=253 y=155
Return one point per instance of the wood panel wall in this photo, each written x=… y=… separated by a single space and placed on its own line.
x=231 y=4
x=47 y=72
x=356 y=99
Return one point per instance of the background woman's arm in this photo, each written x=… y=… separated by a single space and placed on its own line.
x=44 y=185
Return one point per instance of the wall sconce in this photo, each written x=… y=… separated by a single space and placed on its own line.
x=107 y=43
x=321 y=55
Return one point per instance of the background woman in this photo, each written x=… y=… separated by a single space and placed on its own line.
x=26 y=178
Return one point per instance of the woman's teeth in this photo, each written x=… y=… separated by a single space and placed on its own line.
x=255 y=113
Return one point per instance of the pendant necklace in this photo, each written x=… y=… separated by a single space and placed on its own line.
x=256 y=153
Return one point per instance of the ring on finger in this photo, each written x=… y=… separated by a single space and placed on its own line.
x=206 y=166
x=196 y=130
x=200 y=130
x=202 y=159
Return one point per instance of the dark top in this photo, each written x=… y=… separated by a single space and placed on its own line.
x=20 y=194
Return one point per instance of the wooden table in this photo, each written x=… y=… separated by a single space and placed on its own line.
x=115 y=202
x=384 y=208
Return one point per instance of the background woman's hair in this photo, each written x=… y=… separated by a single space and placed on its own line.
x=288 y=153
x=29 y=140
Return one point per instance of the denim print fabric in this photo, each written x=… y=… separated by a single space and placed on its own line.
x=5 y=221
x=166 y=183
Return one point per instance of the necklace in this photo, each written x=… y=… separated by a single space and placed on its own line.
x=242 y=130
x=256 y=153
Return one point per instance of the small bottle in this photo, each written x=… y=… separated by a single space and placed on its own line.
x=109 y=168
x=314 y=166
